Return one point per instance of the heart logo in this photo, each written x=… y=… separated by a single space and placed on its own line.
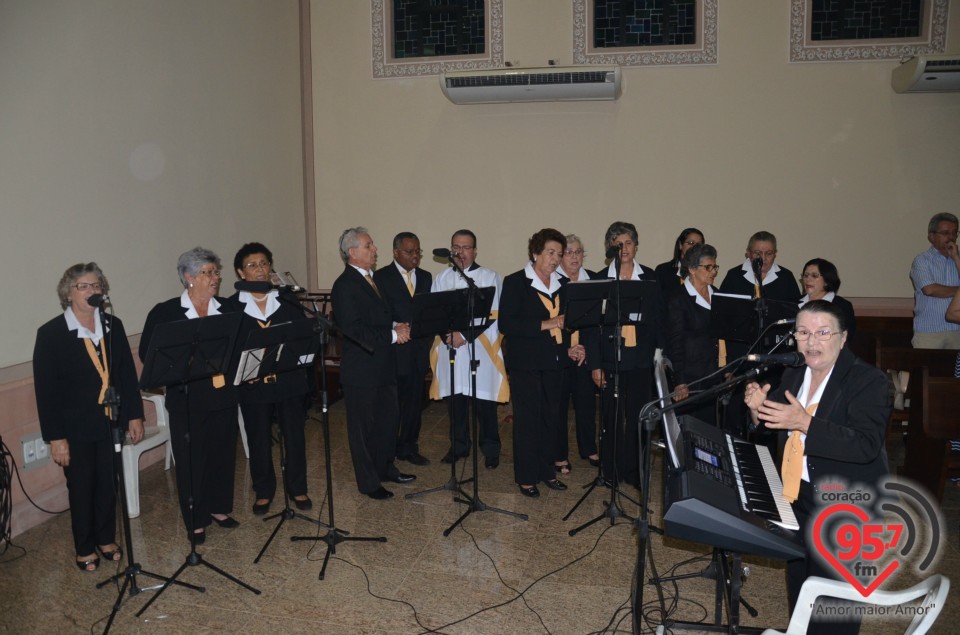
x=859 y=540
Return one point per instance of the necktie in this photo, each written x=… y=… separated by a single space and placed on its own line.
x=792 y=469
x=409 y=275
x=373 y=284
x=102 y=369
x=554 y=308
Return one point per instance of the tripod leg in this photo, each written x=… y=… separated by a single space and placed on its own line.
x=230 y=577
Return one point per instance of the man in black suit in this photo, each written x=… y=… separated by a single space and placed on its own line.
x=368 y=366
x=398 y=283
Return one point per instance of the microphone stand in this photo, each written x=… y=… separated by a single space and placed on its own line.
x=111 y=400
x=474 y=503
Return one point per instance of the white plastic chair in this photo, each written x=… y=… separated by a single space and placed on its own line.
x=933 y=590
x=153 y=436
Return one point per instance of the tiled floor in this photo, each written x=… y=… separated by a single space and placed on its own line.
x=495 y=574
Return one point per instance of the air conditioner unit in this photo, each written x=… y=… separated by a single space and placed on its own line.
x=927 y=74
x=551 y=83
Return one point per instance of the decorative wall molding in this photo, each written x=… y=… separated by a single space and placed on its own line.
x=385 y=66
x=703 y=52
x=802 y=49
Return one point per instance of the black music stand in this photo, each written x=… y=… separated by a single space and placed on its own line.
x=334 y=536
x=435 y=314
x=282 y=348
x=740 y=318
x=180 y=352
x=111 y=401
x=626 y=299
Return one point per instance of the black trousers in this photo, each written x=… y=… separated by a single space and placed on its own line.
x=578 y=384
x=536 y=400
x=90 y=489
x=258 y=422
x=206 y=463
x=410 y=401
x=805 y=509
x=489 y=426
x=621 y=422
x=372 y=421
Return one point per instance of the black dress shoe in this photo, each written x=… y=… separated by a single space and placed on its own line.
x=380 y=494
x=416 y=458
x=594 y=462
x=530 y=492
x=449 y=458
x=400 y=477
x=199 y=539
x=304 y=504
x=556 y=484
x=261 y=509
x=227 y=523
x=492 y=462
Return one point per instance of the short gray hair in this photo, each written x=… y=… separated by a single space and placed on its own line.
x=941 y=218
x=696 y=254
x=191 y=261
x=349 y=239
x=573 y=238
x=617 y=228
x=70 y=277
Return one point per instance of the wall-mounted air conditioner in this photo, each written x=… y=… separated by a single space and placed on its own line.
x=927 y=74
x=550 y=83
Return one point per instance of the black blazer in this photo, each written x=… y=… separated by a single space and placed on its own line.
x=847 y=436
x=288 y=384
x=203 y=396
x=363 y=316
x=601 y=352
x=68 y=386
x=667 y=277
x=690 y=347
x=414 y=356
x=785 y=288
x=525 y=346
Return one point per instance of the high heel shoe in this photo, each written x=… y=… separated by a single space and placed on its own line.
x=227 y=523
x=531 y=491
x=556 y=484
x=84 y=565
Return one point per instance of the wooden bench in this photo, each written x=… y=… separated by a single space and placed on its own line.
x=939 y=363
x=934 y=421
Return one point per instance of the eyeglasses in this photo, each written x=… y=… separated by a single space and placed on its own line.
x=411 y=252
x=456 y=249
x=83 y=286
x=691 y=243
x=262 y=264
x=710 y=268
x=214 y=273
x=812 y=275
x=821 y=336
x=574 y=252
x=947 y=232
x=766 y=255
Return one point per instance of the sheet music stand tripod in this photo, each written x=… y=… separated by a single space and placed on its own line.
x=334 y=536
x=438 y=313
x=180 y=352
x=281 y=348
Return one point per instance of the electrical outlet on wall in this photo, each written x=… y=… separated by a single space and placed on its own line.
x=35 y=453
x=29 y=452
x=43 y=450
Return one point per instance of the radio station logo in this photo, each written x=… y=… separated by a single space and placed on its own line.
x=868 y=535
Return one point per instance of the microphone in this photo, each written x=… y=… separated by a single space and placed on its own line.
x=782 y=322
x=614 y=250
x=757 y=266
x=787 y=359
x=98 y=299
x=442 y=253
x=263 y=287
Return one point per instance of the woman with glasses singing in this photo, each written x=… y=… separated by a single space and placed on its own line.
x=690 y=347
x=831 y=416
x=203 y=419
x=672 y=273
x=76 y=357
x=820 y=281
x=283 y=395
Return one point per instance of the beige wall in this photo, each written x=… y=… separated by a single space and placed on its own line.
x=131 y=131
x=826 y=156
x=134 y=130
